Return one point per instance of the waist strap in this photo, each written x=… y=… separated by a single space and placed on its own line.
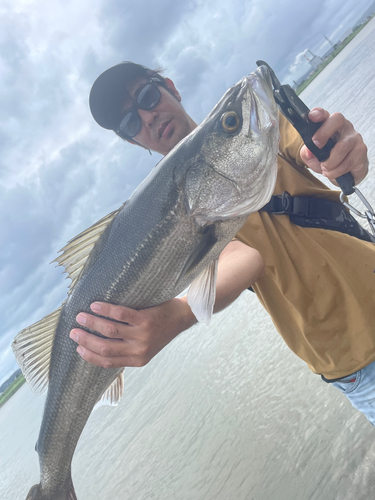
x=310 y=211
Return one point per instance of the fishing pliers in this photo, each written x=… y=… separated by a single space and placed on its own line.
x=296 y=111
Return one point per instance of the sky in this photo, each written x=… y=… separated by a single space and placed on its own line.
x=59 y=171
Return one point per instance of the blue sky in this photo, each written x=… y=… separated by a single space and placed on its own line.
x=59 y=171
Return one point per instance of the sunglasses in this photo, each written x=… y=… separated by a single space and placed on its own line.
x=147 y=98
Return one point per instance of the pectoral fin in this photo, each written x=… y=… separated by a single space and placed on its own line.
x=202 y=293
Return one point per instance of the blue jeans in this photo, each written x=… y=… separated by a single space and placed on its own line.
x=359 y=388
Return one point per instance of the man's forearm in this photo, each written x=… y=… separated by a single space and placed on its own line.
x=239 y=268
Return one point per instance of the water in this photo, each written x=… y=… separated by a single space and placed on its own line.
x=226 y=411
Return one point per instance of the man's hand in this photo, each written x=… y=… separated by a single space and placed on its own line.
x=135 y=337
x=349 y=153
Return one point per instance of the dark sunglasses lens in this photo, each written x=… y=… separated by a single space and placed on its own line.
x=148 y=97
x=130 y=124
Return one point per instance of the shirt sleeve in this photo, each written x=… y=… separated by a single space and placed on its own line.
x=290 y=142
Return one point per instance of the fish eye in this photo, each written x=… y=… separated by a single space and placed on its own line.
x=230 y=121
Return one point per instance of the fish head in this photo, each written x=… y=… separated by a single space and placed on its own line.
x=231 y=157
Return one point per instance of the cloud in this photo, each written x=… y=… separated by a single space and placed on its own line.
x=59 y=171
x=136 y=30
x=299 y=67
x=219 y=42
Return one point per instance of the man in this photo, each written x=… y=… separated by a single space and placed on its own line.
x=296 y=272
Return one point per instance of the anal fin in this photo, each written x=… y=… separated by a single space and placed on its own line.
x=113 y=394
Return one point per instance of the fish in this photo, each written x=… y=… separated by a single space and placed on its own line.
x=165 y=238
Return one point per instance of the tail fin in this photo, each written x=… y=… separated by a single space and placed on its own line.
x=36 y=493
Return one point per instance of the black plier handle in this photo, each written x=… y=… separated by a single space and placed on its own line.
x=296 y=111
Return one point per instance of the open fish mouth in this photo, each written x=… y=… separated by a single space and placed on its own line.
x=261 y=82
x=262 y=109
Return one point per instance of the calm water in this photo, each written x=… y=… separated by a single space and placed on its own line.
x=226 y=411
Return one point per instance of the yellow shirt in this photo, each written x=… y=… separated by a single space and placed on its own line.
x=319 y=284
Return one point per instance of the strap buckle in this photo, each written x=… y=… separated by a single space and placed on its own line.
x=286 y=202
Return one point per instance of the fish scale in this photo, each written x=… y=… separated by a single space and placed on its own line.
x=167 y=236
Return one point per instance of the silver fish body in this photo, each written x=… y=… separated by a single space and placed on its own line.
x=168 y=235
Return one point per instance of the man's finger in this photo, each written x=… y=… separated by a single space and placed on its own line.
x=342 y=153
x=119 y=313
x=103 y=347
x=352 y=162
x=318 y=115
x=111 y=362
x=330 y=128
x=108 y=328
x=110 y=353
x=310 y=160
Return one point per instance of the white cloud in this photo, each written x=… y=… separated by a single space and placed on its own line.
x=300 y=59
x=59 y=172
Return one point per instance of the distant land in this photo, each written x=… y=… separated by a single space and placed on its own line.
x=9 y=381
x=330 y=55
x=10 y=386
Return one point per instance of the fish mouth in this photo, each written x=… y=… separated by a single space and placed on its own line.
x=261 y=83
x=264 y=74
x=258 y=84
x=261 y=108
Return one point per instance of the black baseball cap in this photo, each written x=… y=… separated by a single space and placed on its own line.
x=109 y=92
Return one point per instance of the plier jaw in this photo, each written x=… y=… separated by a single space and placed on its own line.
x=296 y=111
x=291 y=105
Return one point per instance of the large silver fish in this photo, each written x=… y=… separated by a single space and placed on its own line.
x=167 y=236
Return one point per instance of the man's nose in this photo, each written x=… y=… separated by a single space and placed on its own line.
x=147 y=116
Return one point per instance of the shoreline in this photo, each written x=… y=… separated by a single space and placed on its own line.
x=332 y=56
x=12 y=389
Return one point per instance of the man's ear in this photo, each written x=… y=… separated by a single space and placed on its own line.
x=172 y=88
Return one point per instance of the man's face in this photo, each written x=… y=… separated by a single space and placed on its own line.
x=164 y=125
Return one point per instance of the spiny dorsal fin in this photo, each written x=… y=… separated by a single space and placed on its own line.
x=202 y=293
x=76 y=251
x=32 y=348
x=114 y=392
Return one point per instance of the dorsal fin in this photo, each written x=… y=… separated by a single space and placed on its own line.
x=32 y=348
x=77 y=250
x=114 y=392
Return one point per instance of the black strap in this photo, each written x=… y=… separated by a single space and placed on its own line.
x=310 y=211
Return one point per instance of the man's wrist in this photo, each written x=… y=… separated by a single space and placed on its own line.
x=186 y=313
